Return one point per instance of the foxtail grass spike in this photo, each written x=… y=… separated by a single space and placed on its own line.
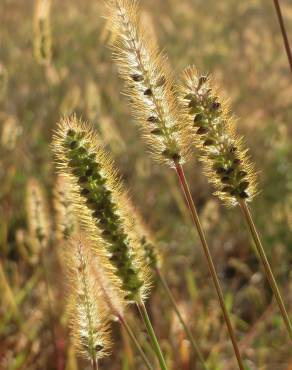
x=38 y=220
x=149 y=83
x=88 y=314
x=42 y=32
x=226 y=162
x=66 y=222
x=99 y=194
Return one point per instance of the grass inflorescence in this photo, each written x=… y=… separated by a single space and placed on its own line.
x=81 y=156
x=149 y=83
x=227 y=164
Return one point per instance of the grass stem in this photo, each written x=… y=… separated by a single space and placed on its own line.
x=152 y=336
x=135 y=341
x=284 y=32
x=197 y=223
x=94 y=364
x=266 y=264
x=181 y=320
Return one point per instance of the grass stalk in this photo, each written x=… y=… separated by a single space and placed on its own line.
x=152 y=336
x=135 y=341
x=94 y=364
x=267 y=268
x=181 y=320
x=284 y=32
x=197 y=223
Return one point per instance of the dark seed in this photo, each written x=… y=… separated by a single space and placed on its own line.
x=71 y=133
x=89 y=172
x=243 y=195
x=189 y=96
x=202 y=130
x=243 y=185
x=82 y=180
x=209 y=142
x=148 y=92
x=137 y=77
x=176 y=157
x=215 y=105
x=241 y=174
x=98 y=347
x=156 y=131
x=236 y=161
x=202 y=80
x=81 y=150
x=220 y=170
x=225 y=180
x=85 y=192
x=152 y=119
x=227 y=189
x=229 y=171
x=198 y=117
x=73 y=144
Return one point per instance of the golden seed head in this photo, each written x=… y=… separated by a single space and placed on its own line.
x=227 y=164
x=99 y=199
x=37 y=212
x=87 y=311
x=42 y=32
x=149 y=83
x=66 y=222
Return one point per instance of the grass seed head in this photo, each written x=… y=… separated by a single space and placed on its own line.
x=149 y=83
x=37 y=212
x=87 y=311
x=42 y=32
x=100 y=198
x=227 y=164
x=66 y=222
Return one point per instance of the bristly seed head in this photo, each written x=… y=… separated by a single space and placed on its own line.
x=149 y=84
x=66 y=222
x=95 y=181
x=88 y=315
x=37 y=210
x=227 y=164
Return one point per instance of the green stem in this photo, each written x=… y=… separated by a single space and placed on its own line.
x=184 y=325
x=267 y=267
x=135 y=341
x=206 y=249
x=151 y=333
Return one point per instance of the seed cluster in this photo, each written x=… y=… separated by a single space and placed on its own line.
x=149 y=84
x=37 y=211
x=42 y=30
x=99 y=190
x=65 y=219
x=227 y=163
x=88 y=315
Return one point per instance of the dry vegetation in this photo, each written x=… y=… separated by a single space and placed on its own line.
x=82 y=252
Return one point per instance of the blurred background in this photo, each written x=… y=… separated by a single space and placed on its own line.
x=240 y=44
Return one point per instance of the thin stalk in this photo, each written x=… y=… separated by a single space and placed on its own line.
x=49 y=301
x=152 y=336
x=197 y=223
x=181 y=320
x=284 y=33
x=94 y=364
x=135 y=341
x=267 y=267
